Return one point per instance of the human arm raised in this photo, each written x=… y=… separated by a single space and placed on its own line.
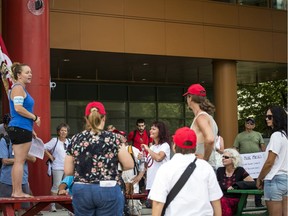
x=125 y=158
x=155 y=156
x=221 y=149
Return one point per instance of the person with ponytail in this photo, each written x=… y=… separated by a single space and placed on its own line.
x=20 y=128
x=93 y=158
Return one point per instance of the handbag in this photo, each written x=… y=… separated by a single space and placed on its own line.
x=49 y=161
x=244 y=185
x=179 y=184
x=129 y=188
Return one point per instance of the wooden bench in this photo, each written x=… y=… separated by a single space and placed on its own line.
x=9 y=204
x=142 y=196
x=243 y=200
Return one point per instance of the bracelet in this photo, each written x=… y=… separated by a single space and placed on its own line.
x=36 y=117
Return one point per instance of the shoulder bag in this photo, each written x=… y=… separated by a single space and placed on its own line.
x=49 y=161
x=179 y=184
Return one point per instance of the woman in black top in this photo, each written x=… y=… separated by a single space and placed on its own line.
x=227 y=176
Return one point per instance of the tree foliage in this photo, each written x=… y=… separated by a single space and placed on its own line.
x=253 y=100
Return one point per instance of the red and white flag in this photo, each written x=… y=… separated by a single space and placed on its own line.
x=5 y=67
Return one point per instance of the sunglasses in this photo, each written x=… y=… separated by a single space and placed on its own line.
x=269 y=117
x=226 y=157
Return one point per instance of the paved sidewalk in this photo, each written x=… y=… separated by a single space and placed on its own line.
x=58 y=213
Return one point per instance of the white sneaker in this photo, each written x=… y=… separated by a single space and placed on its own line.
x=70 y=213
x=53 y=208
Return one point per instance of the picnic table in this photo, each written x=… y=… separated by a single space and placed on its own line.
x=243 y=200
x=10 y=204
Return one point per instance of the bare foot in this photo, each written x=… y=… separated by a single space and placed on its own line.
x=23 y=195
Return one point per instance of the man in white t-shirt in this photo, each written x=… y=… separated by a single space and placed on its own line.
x=200 y=195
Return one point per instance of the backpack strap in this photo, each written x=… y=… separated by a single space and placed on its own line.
x=52 y=151
x=179 y=184
x=130 y=150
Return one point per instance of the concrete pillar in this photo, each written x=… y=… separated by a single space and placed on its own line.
x=225 y=97
x=26 y=34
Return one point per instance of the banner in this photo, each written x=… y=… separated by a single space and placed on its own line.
x=253 y=163
x=5 y=67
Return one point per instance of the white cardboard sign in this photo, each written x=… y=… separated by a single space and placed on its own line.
x=253 y=163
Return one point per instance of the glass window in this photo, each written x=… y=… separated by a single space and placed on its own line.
x=259 y=3
x=120 y=124
x=172 y=124
x=59 y=92
x=228 y=1
x=279 y=4
x=76 y=125
x=142 y=93
x=170 y=94
x=142 y=110
x=115 y=109
x=76 y=108
x=58 y=109
x=113 y=92
x=170 y=110
x=82 y=92
x=116 y=115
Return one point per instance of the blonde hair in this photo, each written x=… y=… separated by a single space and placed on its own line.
x=16 y=69
x=94 y=120
x=235 y=156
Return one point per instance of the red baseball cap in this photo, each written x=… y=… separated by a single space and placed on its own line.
x=100 y=107
x=123 y=133
x=185 y=134
x=196 y=89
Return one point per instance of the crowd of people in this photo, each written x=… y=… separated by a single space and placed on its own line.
x=101 y=162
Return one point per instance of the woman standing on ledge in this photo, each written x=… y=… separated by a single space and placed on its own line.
x=20 y=128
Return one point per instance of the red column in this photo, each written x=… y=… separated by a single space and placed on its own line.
x=26 y=35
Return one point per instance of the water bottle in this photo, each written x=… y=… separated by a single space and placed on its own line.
x=143 y=159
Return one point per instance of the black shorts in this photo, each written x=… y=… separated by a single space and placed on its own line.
x=19 y=135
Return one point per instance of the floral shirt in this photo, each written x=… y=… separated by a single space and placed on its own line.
x=95 y=156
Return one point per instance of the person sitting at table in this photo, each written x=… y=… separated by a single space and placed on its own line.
x=229 y=175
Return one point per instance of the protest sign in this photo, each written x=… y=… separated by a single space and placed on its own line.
x=253 y=163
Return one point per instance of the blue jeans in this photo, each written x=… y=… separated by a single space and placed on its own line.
x=275 y=189
x=93 y=200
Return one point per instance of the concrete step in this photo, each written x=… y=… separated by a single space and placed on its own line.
x=146 y=211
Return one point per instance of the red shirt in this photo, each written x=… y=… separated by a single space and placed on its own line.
x=139 y=139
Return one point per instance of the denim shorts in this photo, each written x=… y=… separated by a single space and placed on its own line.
x=19 y=135
x=92 y=199
x=275 y=189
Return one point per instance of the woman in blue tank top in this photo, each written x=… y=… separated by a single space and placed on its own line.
x=20 y=128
